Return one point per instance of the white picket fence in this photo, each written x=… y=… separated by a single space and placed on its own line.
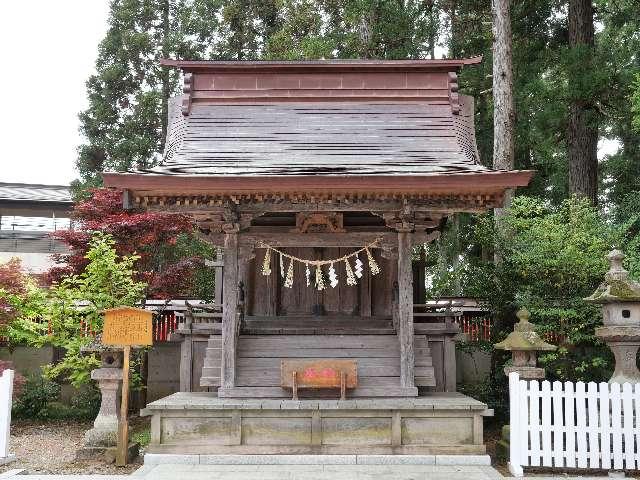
x=559 y=425
x=6 y=398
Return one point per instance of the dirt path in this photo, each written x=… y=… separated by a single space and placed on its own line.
x=49 y=448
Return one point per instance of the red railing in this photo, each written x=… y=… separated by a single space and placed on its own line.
x=476 y=328
x=164 y=325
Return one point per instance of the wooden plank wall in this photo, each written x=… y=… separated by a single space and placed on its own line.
x=371 y=297
x=378 y=358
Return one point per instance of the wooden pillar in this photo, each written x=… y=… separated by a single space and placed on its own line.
x=405 y=309
x=245 y=255
x=218 y=275
x=229 y=311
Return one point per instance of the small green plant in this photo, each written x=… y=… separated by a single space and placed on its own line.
x=142 y=437
x=33 y=403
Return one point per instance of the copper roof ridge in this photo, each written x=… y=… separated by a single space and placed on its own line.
x=484 y=179
x=328 y=64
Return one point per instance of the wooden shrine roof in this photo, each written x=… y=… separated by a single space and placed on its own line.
x=360 y=119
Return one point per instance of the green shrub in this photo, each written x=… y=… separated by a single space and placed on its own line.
x=33 y=402
x=86 y=403
x=143 y=437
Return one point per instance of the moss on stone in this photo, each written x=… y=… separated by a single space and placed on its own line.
x=615 y=291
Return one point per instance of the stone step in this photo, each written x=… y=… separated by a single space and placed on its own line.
x=384 y=460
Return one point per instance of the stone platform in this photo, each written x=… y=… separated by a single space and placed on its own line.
x=203 y=424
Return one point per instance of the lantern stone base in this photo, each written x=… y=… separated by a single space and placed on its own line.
x=105 y=427
x=107 y=454
x=624 y=342
x=526 y=372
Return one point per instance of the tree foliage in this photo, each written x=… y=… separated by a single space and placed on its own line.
x=171 y=259
x=63 y=314
x=125 y=122
x=20 y=295
x=552 y=257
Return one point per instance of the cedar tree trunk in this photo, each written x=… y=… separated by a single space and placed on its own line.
x=582 y=126
x=503 y=112
x=165 y=77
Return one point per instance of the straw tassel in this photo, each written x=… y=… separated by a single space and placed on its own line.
x=351 y=279
x=288 y=282
x=319 y=279
x=266 y=263
x=373 y=265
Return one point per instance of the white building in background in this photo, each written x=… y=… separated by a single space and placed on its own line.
x=28 y=214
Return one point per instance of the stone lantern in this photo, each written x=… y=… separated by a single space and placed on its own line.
x=104 y=433
x=524 y=343
x=619 y=297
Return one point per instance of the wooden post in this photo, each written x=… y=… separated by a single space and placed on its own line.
x=405 y=309
x=123 y=427
x=245 y=255
x=218 y=275
x=126 y=326
x=229 y=311
x=294 y=385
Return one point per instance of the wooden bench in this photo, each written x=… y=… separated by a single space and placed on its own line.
x=318 y=374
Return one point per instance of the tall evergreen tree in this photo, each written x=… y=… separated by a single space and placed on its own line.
x=355 y=29
x=245 y=28
x=618 y=45
x=504 y=116
x=582 y=125
x=125 y=122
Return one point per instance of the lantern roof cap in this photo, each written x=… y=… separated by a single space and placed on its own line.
x=524 y=337
x=617 y=285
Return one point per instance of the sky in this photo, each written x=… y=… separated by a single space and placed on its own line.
x=48 y=50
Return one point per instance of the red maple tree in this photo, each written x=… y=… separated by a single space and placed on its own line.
x=150 y=235
x=12 y=281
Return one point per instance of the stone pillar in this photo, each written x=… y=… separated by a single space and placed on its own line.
x=624 y=342
x=103 y=437
x=105 y=427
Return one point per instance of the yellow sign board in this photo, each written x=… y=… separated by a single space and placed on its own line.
x=127 y=326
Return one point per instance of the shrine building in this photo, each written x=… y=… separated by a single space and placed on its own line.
x=316 y=180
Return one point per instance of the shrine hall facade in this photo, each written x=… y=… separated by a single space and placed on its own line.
x=316 y=180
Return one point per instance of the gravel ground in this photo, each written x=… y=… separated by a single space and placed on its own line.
x=49 y=448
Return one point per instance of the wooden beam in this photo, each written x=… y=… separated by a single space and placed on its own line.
x=229 y=311
x=284 y=206
x=419 y=238
x=405 y=309
x=349 y=239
